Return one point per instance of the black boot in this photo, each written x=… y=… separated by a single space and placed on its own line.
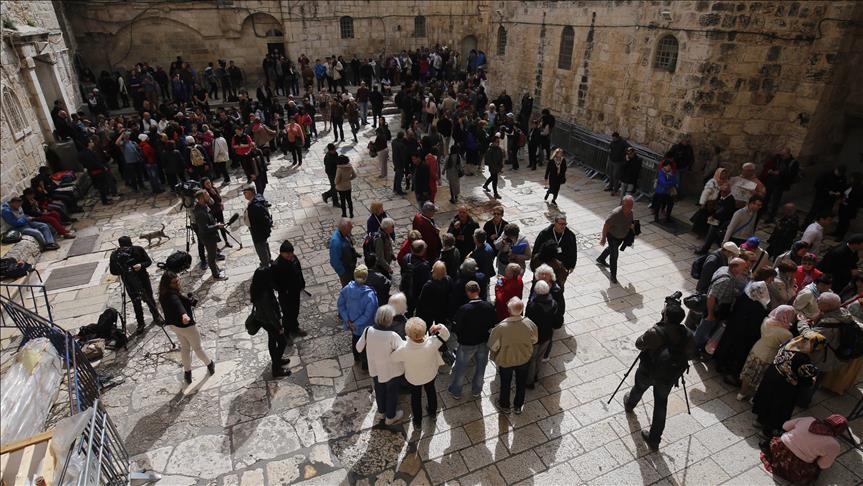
x=279 y=372
x=140 y=330
x=187 y=377
x=211 y=368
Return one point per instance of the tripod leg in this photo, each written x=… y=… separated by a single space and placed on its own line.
x=173 y=346
x=686 y=395
x=624 y=378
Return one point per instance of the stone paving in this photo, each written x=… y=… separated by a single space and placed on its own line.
x=316 y=427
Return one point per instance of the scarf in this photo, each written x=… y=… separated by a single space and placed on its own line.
x=805 y=343
x=831 y=426
x=782 y=316
x=758 y=292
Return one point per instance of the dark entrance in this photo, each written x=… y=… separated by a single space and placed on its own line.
x=277 y=48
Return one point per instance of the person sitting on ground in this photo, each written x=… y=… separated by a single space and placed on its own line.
x=15 y=219
x=806 y=447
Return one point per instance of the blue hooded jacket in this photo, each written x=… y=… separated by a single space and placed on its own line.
x=358 y=304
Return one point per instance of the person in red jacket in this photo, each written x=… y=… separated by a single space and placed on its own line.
x=152 y=163
x=424 y=223
x=509 y=286
x=434 y=175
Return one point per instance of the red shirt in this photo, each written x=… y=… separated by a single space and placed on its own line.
x=506 y=289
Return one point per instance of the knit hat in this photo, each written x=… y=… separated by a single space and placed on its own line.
x=751 y=243
x=731 y=247
x=286 y=247
x=361 y=273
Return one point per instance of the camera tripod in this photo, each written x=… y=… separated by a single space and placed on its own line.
x=682 y=380
x=123 y=318
x=190 y=235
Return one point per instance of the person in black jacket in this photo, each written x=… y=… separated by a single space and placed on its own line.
x=616 y=160
x=130 y=262
x=433 y=299
x=378 y=281
x=376 y=99
x=850 y=202
x=266 y=313
x=96 y=169
x=331 y=160
x=841 y=262
x=180 y=318
x=542 y=310
x=466 y=272
x=534 y=144
x=472 y=323
x=207 y=229
x=567 y=249
x=718 y=221
x=289 y=283
x=257 y=218
x=462 y=228
x=630 y=172
x=714 y=262
x=555 y=174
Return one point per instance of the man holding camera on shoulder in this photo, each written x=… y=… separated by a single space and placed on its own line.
x=666 y=349
x=130 y=262
x=208 y=232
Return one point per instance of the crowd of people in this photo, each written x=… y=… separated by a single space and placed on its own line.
x=775 y=320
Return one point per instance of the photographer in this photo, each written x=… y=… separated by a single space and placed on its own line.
x=257 y=217
x=666 y=349
x=130 y=262
x=207 y=229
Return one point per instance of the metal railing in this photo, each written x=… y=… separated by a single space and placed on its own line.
x=100 y=447
x=590 y=151
x=29 y=295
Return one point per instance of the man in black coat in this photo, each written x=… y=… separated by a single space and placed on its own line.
x=257 y=218
x=462 y=228
x=130 y=262
x=331 y=160
x=616 y=159
x=567 y=249
x=207 y=229
x=96 y=169
x=400 y=162
x=472 y=323
x=290 y=283
x=841 y=262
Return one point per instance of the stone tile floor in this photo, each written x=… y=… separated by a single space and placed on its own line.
x=316 y=427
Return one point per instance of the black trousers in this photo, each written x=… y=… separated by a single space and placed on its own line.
x=520 y=373
x=290 y=305
x=493 y=180
x=338 y=126
x=221 y=169
x=101 y=183
x=296 y=154
x=358 y=356
x=345 y=200
x=417 y=400
x=139 y=288
x=355 y=127
x=611 y=251
x=643 y=381
x=212 y=248
x=276 y=344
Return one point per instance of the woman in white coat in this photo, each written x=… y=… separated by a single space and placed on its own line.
x=380 y=341
x=422 y=359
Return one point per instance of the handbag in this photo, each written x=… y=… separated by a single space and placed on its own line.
x=252 y=323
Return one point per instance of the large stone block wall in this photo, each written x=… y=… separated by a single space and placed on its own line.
x=751 y=77
x=119 y=34
x=21 y=154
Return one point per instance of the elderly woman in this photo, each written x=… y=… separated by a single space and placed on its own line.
x=357 y=305
x=379 y=342
x=433 y=306
x=509 y=286
x=775 y=330
x=829 y=323
x=743 y=329
x=550 y=275
x=399 y=303
x=806 y=447
x=376 y=217
x=511 y=345
x=421 y=360
x=707 y=201
x=383 y=247
x=542 y=310
x=783 y=288
x=792 y=370
x=405 y=249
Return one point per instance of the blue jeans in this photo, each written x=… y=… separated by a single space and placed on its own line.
x=387 y=395
x=40 y=231
x=704 y=331
x=364 y=110
x=462 y=357
x=153 y=175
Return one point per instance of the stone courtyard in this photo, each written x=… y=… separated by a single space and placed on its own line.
x=316 y=427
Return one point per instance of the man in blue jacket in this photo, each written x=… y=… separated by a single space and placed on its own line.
x=15 y=218
x=357 y=306
x=343 y=257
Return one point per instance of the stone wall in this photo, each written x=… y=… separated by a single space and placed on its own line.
x=751 y=77
x=112 y=33
x=21 y=151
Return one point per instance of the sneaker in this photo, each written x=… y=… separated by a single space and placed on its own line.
x=740 y=397
x=502 y=409
x=454 y=396
x=653 y=446
x=211 y=368
x=221 y=276
x=519 y=410
x=476 y=395
x=398 y=416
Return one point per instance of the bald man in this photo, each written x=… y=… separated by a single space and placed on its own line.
x=725 y=286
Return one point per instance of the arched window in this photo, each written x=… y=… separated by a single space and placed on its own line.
x=666 y=54
x=567 y=38
x=419 y=26
x=501 y=41
x=14 y=114
x=346 y=26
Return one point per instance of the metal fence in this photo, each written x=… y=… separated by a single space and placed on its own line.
x=590 y=151
x=30 y=296
x=104 y=459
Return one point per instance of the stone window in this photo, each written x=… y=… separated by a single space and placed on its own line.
x=346 y=26
x=419 y=26
x=501 y=41
x=567 y=38
x=15 y=114
x=666 y=54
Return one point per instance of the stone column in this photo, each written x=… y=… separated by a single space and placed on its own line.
x=37 y=98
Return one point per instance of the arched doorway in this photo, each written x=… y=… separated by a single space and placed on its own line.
x=468 y=43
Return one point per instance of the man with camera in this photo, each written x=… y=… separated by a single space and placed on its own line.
x=257 y=217
x=130 y=262
x=208 y=232
x=666 y=349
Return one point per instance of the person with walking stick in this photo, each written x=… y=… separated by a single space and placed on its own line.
x=666 y=349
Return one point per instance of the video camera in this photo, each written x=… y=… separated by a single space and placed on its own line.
x=674 y=299
x=186 y=190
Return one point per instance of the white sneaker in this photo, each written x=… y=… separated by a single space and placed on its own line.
x=379 y=416
x=740 y=397
x=398 y=416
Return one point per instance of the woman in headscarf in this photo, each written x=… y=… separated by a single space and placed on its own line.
x=807 y=446
x=775 y=330
x=707 y=201
x=743 y=329
x=841 y=374
x=792 y=369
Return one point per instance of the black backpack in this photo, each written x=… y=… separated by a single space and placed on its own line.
x=407 y=283
x=369 y=243
x=670 y=362
x=850 y=340
x=698 y=266
x=177 y=262
x=11 y=269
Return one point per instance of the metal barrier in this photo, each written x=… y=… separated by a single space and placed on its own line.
x=83 y=382
x=25 y=293
x=100 y=448
x=590 y=151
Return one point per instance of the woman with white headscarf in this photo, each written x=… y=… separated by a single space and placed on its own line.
x=841 y=373
x=743 y=329
x=775 y=330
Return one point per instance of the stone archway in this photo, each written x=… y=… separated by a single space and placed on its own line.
x=469 y=42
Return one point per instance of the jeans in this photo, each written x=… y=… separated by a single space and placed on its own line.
x=262 y=248
x=387 y=396
x=345 y=200
x=40 y=231
x=538 y=353
x=153 y=175
x=338 y=126
x=611 y=250
x=704 y=331
x=135 y=175
x=520 y=372
x=614 y=169
x=626 y=188
x=643 y=381
x=190 y=340
x=416 y=400
x=364 y=110
x=462 y=357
